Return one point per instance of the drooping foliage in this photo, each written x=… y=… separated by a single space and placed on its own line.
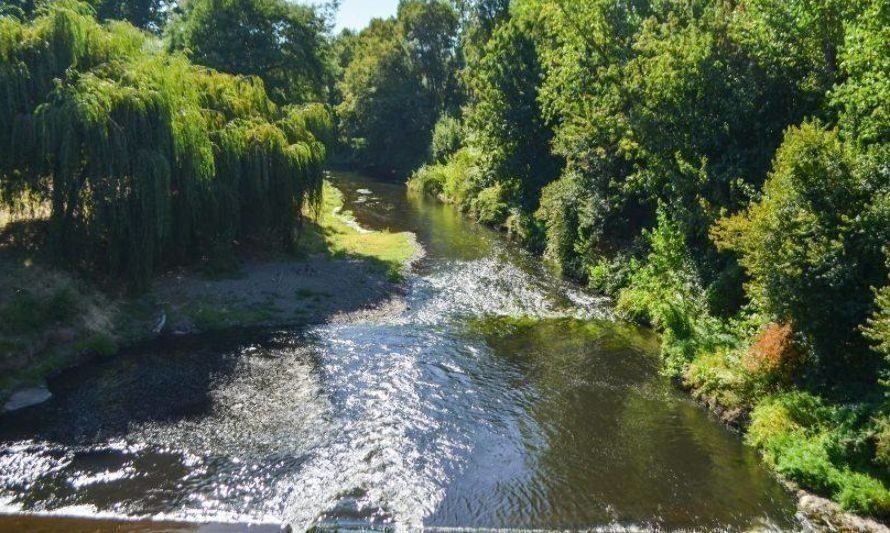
x=144 y=158
x=150 y=15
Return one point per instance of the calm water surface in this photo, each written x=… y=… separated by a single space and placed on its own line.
x=501 y=398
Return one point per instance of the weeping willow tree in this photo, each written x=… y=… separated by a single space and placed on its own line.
x=144 y=158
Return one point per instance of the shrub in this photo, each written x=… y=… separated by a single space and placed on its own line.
x=490 y=205
x=525 y=229
x=774 y=353
x=799 y=436
x=560 y=212
x=666 y=293
x=447 y=138
x=804 y=461
x=862 y=493
x=803 y=245
x=451 y=181
x=716 y=375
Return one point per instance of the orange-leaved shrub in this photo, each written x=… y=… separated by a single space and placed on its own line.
x=774 y=353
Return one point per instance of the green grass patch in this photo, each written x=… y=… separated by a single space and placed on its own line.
x=336 y=233
x=823 y=448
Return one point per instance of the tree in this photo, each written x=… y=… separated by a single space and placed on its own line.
x=398 y=81
x=281 y=42
x=144 y=158
x=146 y=14
x=504 y=117
x=812 y=244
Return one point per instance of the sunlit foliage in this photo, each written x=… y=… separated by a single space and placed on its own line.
x=399 y=75
x=281 y=42
x=144 y=158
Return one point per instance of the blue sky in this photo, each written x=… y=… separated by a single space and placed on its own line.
x=356 y=14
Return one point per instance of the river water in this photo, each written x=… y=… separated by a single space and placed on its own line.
x=500 y=398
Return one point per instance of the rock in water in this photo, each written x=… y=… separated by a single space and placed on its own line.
x=26 y=398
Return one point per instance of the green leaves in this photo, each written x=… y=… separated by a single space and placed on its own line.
x=399 y=77
x=803 y=244
x=146 y=159
x=281 y=42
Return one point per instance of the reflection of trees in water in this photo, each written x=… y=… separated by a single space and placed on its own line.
x=616 y=442
x=442 y=228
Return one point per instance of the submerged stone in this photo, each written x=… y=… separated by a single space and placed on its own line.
x=26 y=398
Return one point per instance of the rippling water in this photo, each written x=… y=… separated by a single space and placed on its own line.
x=500 y=398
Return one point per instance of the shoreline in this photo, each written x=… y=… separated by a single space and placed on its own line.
x=287 y=292
x=814 y=512
x=343 y=273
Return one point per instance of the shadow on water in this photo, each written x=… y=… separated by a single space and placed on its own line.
x=183 y=424
x=168 y=380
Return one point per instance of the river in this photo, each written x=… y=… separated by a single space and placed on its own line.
x=500 y=398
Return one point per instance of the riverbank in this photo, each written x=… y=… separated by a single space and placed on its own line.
x=53 y=319
x=748 y=374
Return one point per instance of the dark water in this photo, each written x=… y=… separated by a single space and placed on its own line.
x=501 y=399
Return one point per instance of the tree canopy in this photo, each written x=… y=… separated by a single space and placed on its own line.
x=401 y=75
x=144 y=158
x=281 y=42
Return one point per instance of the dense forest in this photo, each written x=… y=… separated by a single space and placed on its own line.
x=720 y=168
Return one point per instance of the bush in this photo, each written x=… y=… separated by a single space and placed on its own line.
x=667 y=294
x=447 y=138
x=804 y=461
x=862 y=493
x=452 y=181
x=717 y=376
x=610 y=275
x=561 y=211
x=522 y=227
x=490 y=205
x=803 y=244
x=799 y=436
x=774 y=354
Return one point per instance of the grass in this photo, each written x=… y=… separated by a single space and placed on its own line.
x=335 y=232
x=50 y=319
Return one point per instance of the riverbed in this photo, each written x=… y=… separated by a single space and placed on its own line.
x=497 y=396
